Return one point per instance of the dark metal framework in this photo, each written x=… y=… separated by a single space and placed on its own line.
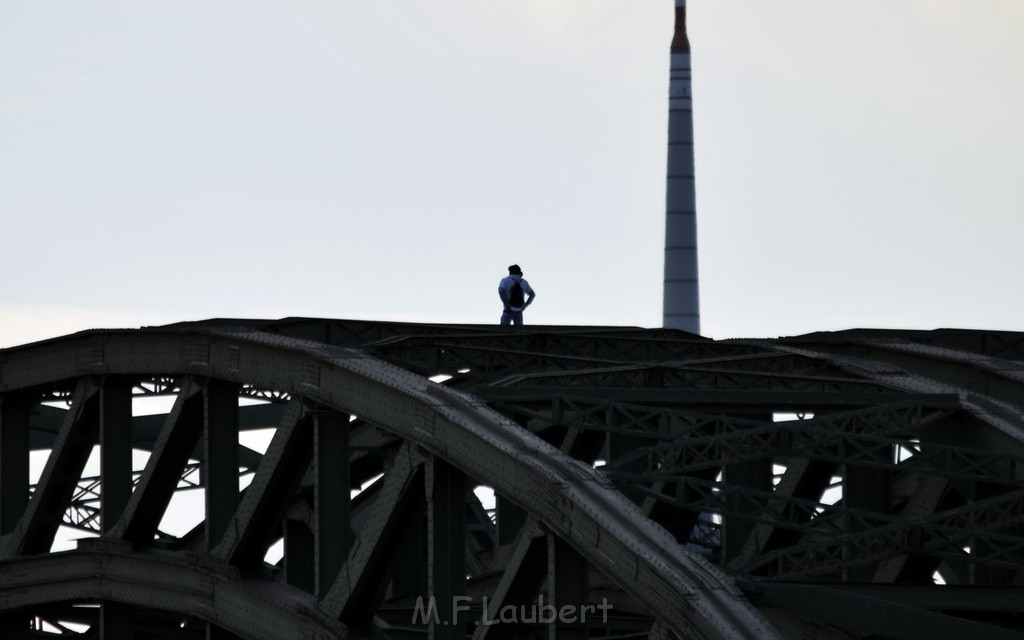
x=646 y=483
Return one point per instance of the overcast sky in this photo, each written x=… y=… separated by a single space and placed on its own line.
x=858 y=163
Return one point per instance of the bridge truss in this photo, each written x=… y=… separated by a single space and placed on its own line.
x=473 y=482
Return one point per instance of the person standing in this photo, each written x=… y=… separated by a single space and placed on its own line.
x=516 y=294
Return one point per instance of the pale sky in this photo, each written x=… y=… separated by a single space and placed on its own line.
x=859 y=164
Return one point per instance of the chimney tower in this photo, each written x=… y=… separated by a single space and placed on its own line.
x=681 y=300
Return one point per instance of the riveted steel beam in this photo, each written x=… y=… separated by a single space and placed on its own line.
x=445 y=489
x=14 y=459
x=256 y=521
x=567 y=591
x=115 y=449
x=372 y=559
x=220 y=446
x=332 y=506
x=523 y=573
x=181 y=432
x=36 y=529
x=190 y=586
x=861 y=612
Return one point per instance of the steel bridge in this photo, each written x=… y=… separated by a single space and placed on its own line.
x=480 y=483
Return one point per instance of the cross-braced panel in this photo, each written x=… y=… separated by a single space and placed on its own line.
x=331 y=478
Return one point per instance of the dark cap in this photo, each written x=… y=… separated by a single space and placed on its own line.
x=515 y=270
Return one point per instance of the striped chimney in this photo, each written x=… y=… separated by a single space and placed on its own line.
x=681 y=300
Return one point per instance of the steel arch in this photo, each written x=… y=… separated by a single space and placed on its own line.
x=192 y=586
x=686 y=594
